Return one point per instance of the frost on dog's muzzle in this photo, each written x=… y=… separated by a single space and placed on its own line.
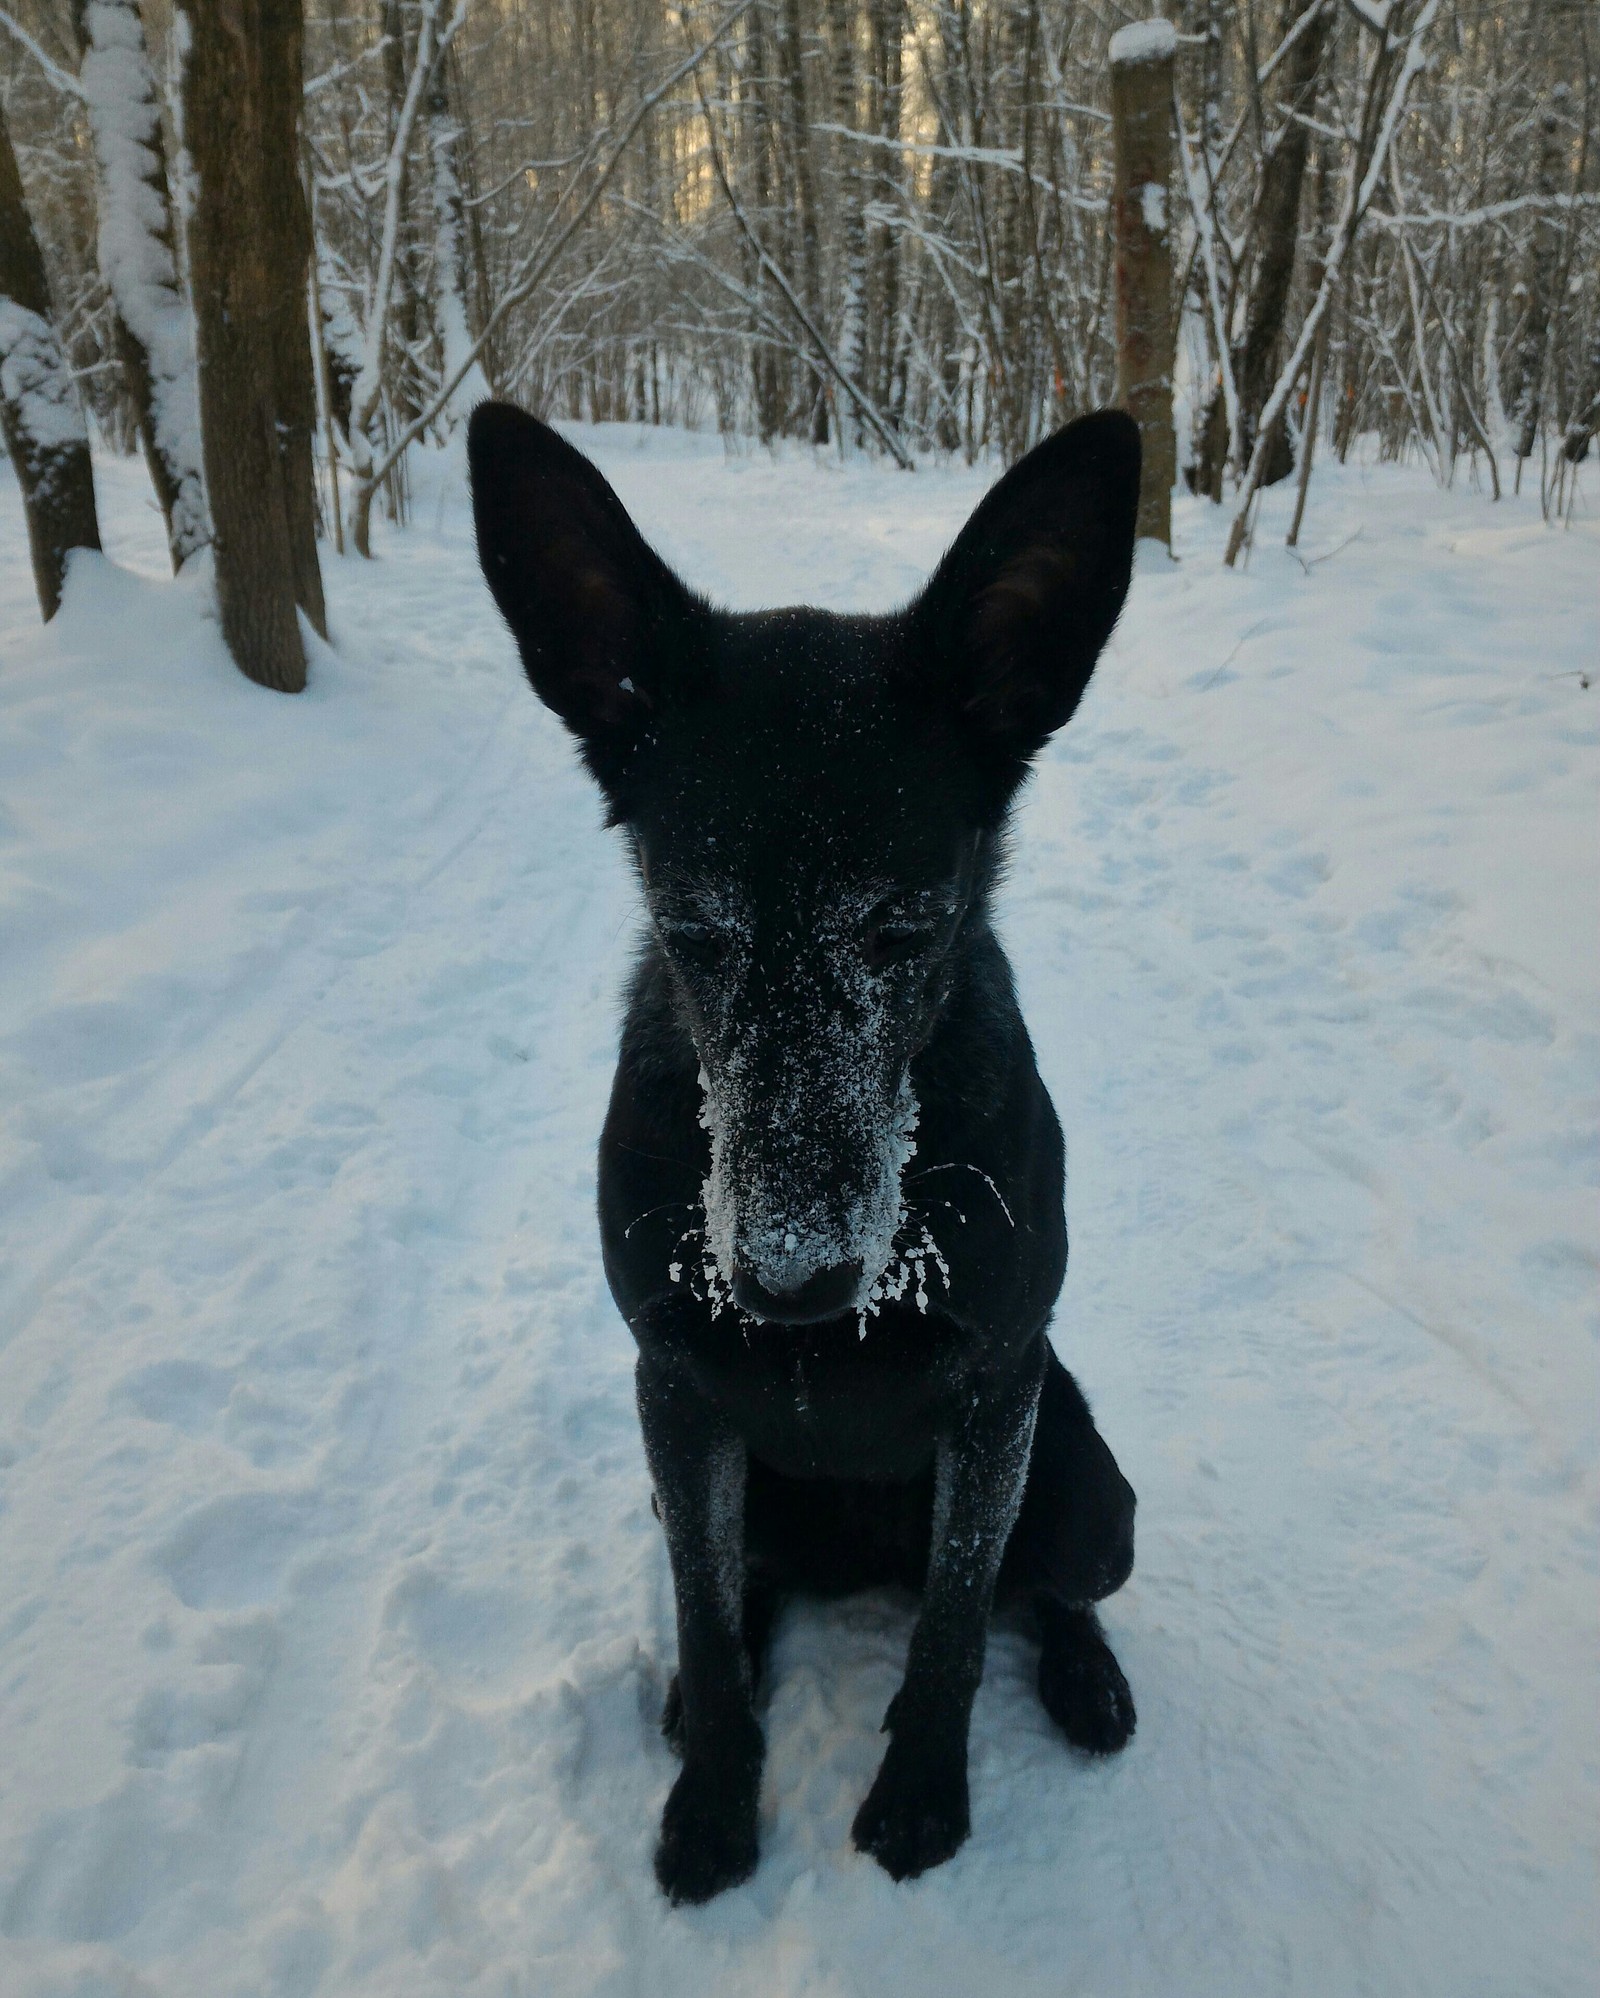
x=787 y=1236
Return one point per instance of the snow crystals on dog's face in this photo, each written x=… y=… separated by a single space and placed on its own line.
x=806 y=881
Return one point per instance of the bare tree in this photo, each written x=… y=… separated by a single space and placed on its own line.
x=1395 y=64
x=884 y=223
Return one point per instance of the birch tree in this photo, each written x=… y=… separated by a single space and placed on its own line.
x=138 y=259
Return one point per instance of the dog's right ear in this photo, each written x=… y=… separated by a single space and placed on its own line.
x=1006 y=634
x=596 y=613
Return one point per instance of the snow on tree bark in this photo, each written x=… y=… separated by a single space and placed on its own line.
x=449 y=244
x=155 y=329
x=40 y=413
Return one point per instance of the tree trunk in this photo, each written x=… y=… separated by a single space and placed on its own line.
x=154 y=329
x=1544 y=257
x=1278 y=219
x=1141 y=125
x=39 y=410
x=1203 y=23
x=403 y=311
x=848 y=201
x=450 y=241
x=886 y=18
x=762 y=123
x=287 y=225
x=232 y=112
x=797 y=134
x=366 y=424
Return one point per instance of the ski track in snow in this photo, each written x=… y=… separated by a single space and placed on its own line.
x=333 y=1620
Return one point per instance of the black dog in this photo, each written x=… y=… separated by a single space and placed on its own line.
x=831 y=1178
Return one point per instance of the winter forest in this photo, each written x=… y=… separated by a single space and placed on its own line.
x=873 y=224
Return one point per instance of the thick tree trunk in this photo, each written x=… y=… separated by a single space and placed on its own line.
x=232 y=114
x=39 y=410
x=154 y=330
x=287 y=223
x=1141 y=123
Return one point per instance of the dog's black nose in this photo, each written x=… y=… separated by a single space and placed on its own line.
x=824 y=1294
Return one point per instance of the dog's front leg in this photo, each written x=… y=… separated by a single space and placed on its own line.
x=916 y=1815
x=708 y=1830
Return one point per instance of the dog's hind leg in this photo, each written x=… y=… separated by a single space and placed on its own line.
x=1072 y=1547
x=1080 y=1682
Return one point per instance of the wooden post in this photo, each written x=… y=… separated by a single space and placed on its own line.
x=1141 y=129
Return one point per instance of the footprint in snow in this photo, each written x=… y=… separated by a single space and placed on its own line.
x=186 y=1394
x=233 y=1552
x=475 y=1638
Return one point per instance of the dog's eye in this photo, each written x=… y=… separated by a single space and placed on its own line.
x=694 y=943
x=895 y=940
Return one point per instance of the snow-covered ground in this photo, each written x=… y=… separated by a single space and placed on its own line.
x=333 y=1619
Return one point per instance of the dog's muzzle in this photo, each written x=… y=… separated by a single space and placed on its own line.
x=824 y=1294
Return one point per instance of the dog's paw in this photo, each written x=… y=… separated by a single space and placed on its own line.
x=708 y=1836
x=1085 y=1694
x=916 y=1813
x=672 y=1717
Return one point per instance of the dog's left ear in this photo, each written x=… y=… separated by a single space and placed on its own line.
x=599 y=618
x=1008 y=631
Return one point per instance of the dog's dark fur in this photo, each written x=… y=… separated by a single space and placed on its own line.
x=831 y=1178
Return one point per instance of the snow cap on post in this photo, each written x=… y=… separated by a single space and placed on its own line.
x=1144 y=41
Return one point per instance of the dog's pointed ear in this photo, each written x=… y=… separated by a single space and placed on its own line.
x=598 y=617
x=1007 y=633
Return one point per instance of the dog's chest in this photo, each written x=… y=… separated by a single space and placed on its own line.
x=825 y=1402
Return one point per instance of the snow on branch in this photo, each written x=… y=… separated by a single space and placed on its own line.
x=1372 y=14
x=1006 y=157
x=60 y=79
x=1494 y=211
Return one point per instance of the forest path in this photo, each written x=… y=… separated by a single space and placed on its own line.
x=335 y=1621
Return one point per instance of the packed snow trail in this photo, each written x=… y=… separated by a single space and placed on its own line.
x=334 y=1622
